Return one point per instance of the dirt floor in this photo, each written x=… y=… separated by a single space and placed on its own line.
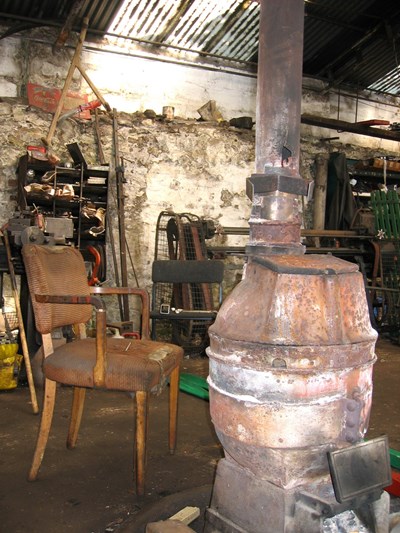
x=90 y=489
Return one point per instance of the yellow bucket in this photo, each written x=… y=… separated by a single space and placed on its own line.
x=10 y=364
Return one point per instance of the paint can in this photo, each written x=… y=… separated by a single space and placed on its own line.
x=168 y=112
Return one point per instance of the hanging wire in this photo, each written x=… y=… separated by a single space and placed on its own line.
x=356 y=116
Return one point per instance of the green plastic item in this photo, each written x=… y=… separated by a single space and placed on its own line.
x=394 y=458
x=195 y=385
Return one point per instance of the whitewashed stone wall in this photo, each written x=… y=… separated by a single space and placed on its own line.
x=185 y=165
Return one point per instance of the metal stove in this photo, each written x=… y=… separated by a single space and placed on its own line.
x=292 y=349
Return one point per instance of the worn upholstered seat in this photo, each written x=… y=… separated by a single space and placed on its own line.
x=130 y=366
x=61 y=297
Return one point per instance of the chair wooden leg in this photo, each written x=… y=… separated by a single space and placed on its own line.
x=44 y=429
x=173 y=408
x=142 y=398
x=76 y=416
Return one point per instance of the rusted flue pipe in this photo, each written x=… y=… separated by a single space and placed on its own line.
x=274 y=189
x=279 y=103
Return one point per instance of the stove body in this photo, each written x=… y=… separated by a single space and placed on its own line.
x=291 y=357
x=292 y=349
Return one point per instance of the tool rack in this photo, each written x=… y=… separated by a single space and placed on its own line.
x=76 y=192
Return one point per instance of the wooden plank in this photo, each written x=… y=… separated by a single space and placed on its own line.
x=186 y=515
x=24 y=342
x=71 y=70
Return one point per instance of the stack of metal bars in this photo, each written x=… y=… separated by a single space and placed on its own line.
x=386 y=208
x=390 y=281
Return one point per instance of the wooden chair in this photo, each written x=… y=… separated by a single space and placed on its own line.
x=61 y=296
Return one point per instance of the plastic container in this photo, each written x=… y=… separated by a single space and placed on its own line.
x=10 y=365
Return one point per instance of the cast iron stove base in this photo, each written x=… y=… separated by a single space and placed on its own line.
x=254 y=505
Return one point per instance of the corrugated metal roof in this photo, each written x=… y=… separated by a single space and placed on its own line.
x=345 y=43
x=33 y=12
x=227 y=28
x=390 y=83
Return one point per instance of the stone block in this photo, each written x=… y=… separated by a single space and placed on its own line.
x=8 y=89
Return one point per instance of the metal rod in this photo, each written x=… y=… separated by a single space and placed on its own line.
x=320 y=189
x=115 y=263
x=102 y=159
x=121 y=215
x=231 y=230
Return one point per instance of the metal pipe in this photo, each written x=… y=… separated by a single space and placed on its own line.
x=320 y=189
x=274 y=189
x=279 y=103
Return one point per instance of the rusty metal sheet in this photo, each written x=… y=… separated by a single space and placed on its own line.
x=47 y=98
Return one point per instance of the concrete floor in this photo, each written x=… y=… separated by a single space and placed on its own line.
x=90 y=489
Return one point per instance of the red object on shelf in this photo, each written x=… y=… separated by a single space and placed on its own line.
x=394 y=488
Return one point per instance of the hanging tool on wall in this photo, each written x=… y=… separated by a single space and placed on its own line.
x=120 y=179
x=80 y=109
x=22 y=335
x=75 y=64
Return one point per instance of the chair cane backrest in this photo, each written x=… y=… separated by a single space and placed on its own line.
x=56 y=270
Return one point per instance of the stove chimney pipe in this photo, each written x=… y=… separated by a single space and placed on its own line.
x=274 y=189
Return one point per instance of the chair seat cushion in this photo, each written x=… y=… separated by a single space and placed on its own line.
x=131 y=364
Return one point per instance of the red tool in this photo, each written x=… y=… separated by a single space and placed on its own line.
x=83 y=107
x=97 y=261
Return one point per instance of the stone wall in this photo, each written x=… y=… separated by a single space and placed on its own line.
x=184 y=165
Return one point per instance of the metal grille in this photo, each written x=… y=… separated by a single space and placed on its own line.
x=386 y=208
x=386 y=300
x=182 y=236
